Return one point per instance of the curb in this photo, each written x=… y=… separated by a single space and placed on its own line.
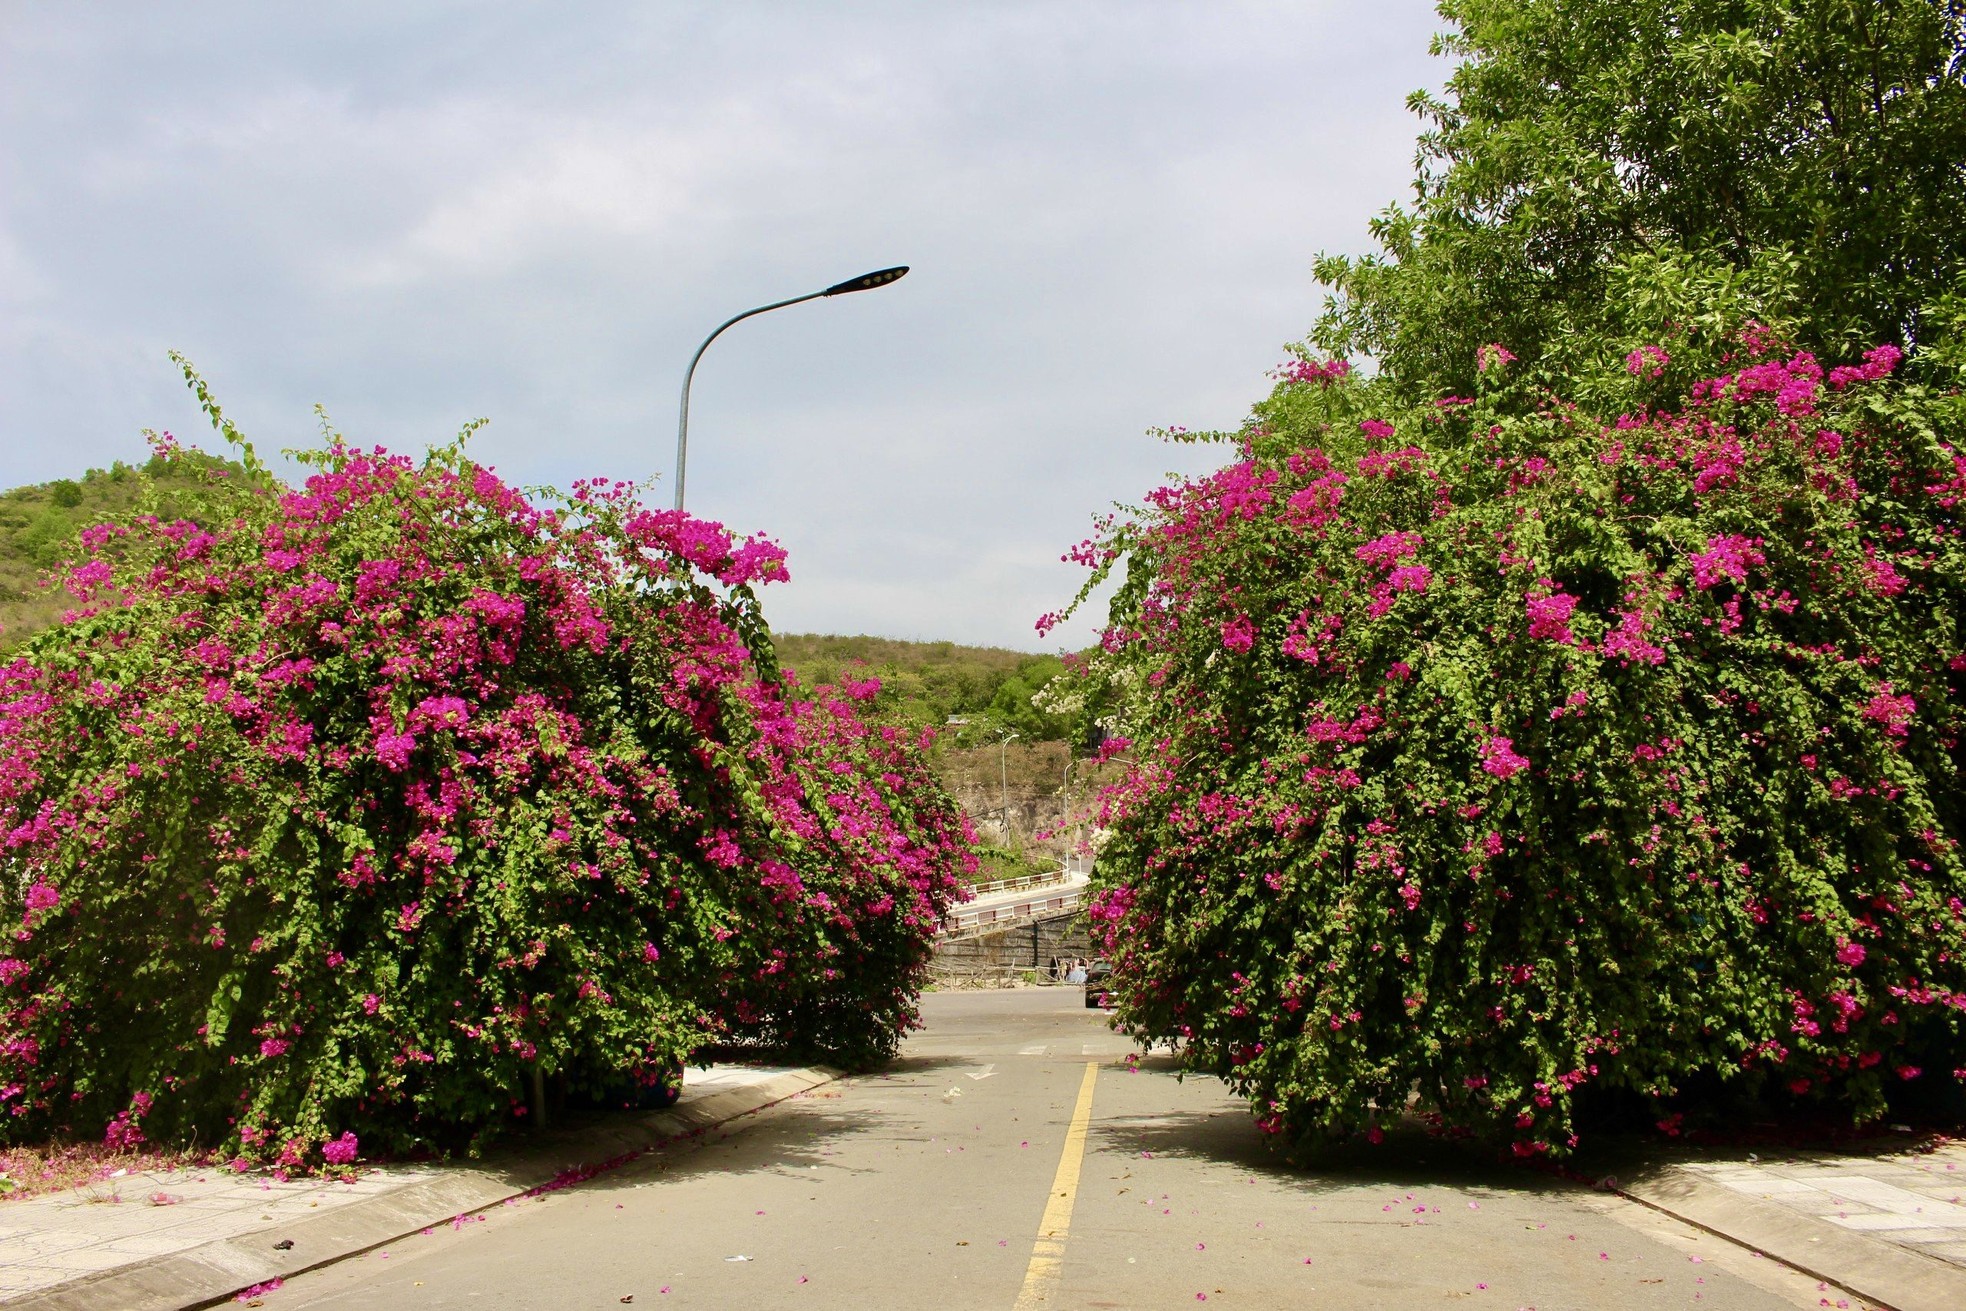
x=213 y=1272
x=1880 y=1272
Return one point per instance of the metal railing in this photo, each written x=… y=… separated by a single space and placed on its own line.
x=964 y=918
x=1037 y=880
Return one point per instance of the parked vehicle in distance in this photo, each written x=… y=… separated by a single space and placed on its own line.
x=1096 y=975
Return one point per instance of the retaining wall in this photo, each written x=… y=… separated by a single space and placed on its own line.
x=1007 y=951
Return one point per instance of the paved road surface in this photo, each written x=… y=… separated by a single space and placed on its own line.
x=927 y=1187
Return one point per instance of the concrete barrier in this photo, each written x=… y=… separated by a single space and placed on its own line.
x=967 y=918
x=1002 y=953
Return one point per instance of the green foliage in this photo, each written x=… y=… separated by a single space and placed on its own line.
x=38 y=527
x=1524 y=751
x=1810 y=154
x=928 y=683
x=362 y=808
x=996 y=862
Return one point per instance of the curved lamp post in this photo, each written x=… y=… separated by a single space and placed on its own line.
x=865 y=282
x=1004 y=738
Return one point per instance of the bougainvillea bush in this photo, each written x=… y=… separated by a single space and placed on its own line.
x=1517 y=751
x=359 y=813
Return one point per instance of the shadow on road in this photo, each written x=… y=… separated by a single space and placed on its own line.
x=1406 y=1159
x=770 y=1142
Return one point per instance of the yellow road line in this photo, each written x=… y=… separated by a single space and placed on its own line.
x=1048 y=1256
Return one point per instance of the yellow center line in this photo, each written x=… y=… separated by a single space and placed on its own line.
x=1048 y=1255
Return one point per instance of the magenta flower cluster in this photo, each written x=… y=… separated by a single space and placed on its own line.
x=1521 y=750
x=370 y=806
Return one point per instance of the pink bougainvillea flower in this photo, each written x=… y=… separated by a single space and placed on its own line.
x=360 y=749
x=1313 y=371
x=1727 y=558
x=1647 y=362
x=1498 y=757
x=1549 y=616
x=1892 y=713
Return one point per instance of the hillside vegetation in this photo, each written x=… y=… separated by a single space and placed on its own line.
x=932 y=682
x=39 y=524
x=988 y=691
x=929 y=683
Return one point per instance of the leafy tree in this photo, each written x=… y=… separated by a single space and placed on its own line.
x=1526 y=752
x=371 y=806
x=1573 y=710
x=1804 y=158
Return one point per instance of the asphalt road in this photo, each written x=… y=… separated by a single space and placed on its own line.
x=1015 y=1112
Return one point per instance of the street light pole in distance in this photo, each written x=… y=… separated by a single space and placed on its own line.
x=1004 y=739
x=865 y=282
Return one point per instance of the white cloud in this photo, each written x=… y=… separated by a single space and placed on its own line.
x=420 y=214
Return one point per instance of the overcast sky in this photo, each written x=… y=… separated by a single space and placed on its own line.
x=415 y=214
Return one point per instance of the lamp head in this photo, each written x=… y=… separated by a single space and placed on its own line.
x=867 y=281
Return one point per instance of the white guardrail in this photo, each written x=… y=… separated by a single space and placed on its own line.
x=1037 y=880
x=972 y=917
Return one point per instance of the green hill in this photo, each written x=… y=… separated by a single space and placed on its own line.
x=39 y=524
x=933 y=682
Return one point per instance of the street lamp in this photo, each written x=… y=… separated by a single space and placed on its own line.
x=1004 y=740
x=865 y=282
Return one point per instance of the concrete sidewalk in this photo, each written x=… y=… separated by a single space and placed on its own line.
x=1886 y=1223
x=179 y=1239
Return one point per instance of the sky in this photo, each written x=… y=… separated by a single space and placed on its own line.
x=414 y=214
